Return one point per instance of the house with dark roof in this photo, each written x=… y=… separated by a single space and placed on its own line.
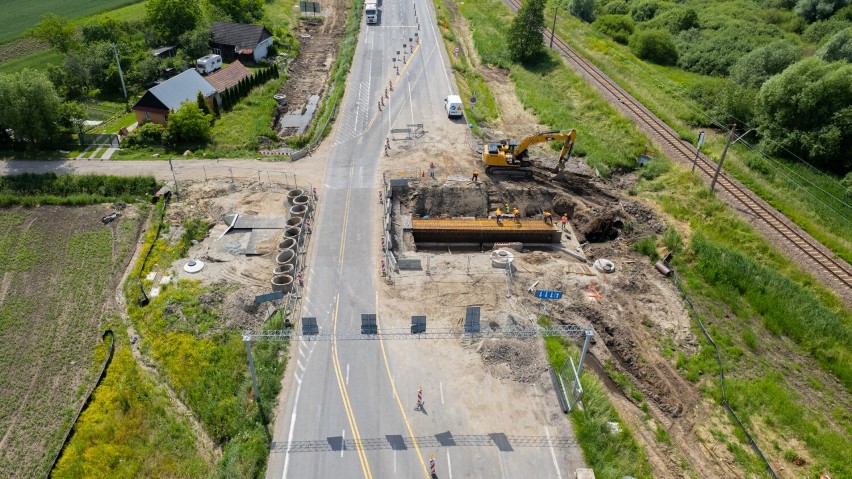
x=246 y=42
x=227 y=77
x=156 y=104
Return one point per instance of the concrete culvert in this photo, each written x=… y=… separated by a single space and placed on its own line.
x=287 y=256
x=283 y=283
x=298 y=211
x=605 y=265
x=284 y=269
x=295 y=221
x=293 y=194
x=302 y=200
x=293 y=232
x=287 y=243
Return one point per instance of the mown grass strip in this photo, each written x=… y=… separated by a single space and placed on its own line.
x=30 y=189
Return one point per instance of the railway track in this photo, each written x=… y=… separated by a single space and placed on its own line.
x=837 y=268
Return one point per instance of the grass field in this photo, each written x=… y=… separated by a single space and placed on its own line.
x=815 y=201
x=59 y=270
x=36 y=61
x=18 y=16
x=785 y=338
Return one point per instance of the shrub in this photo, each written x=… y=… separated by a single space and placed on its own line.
x=813 y=10
x=761 y=63
x=805 y=110
x=654 y=45
x=675 y=20
x=618 y=7
x=619 y=27
x=584 y=10
x=714 y=51
x=151 y=133
x=189 y=125
x=654 y=168
x=821 y=31
x=838 y=47
x=644 y=11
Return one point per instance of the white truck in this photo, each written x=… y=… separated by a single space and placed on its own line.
x=371 y=12
x=208 y=64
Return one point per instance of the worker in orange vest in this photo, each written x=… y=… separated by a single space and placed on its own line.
x=548 y=218
x=517 y=215
x=498 y=214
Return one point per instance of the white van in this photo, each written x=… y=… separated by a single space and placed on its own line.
x=371 y=12
x=208 y=64
x=453 y=105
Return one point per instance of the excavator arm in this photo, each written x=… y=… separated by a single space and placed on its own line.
x=545 y=136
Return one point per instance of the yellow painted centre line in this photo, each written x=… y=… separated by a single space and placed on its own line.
x=398 y=79
x=396 y=395
x=347 y=405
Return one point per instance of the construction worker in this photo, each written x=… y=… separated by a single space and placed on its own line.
x=517 y=215
x=498 y=213
x=564 y=221
x=548 y=218
x=431 y=169
x=475 y=176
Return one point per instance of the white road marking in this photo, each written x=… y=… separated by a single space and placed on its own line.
x=502 y=465
x=441 y=385
x=449 y=465
x=443 y=65
x=347 y=374
x=293 y=416
x=553 y=454
x=410 y=103
x=299 y=363
x=342 y=442
x=394 y=462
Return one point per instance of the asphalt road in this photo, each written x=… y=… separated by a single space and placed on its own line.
x=341 y=394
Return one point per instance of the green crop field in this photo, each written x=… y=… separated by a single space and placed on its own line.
x=19 y=16
x=60 y=268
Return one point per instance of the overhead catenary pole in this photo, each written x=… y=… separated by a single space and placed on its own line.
x=722 y=159
x=698 y=150
x=247 y=341
x=552 y=30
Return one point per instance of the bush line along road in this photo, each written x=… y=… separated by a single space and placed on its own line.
x=835 y=272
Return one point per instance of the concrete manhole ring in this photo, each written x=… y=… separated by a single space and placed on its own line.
x=605 y=265
x=193 y=266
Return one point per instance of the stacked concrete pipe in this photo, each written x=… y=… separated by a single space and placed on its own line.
x=288 y=256
x=303 y=200
x=282 y=282
x=293 y=194
x=284 y=269
x=288 y=243
x=298 y=211
x=293 y=232
x=294 y=221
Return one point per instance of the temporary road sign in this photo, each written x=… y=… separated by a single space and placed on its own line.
x=545 y=294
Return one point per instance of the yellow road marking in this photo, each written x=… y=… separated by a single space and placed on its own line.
x=396 y=394
x=347 y=405
x=398 y=78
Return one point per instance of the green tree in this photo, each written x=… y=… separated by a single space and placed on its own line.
x=584 y=10
x=654 y=45
x=524 y=39
x=171 y=18
x=60 y=33
x=618 y=7
x=240 y=11
x=189 y=125
x=813 y=10
x=202 y=104
x=31 y=106
x=644 y=11
x=838 y=47
x=807 y=110
x=216 y=112
x=195 y=43
x=754 y=68
x=106 y=29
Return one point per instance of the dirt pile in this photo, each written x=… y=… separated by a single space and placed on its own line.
x=515 y=359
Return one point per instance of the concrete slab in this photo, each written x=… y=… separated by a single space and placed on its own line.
x=246 y=222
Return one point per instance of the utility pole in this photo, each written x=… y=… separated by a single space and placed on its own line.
x=552 y=30
x=171 y=167
x=120 y=74
x=722 y=159
x=698 y=150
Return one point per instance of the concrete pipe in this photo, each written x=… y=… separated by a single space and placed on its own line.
x=298 y=211
x=283 y=283
x=293 y=194
x=287 y=256
x=294 y=221
x=302 y=200
x=284 y=269
x=288 y=243
x=293 y=232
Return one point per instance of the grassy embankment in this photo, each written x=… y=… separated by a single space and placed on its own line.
x=468 y=79
x=18 y=17
x=664 y=90
x=130 y=428
x=72 y=190
x=204 y=361
x=752 y=296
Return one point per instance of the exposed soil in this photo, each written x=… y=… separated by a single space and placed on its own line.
x=309 y=72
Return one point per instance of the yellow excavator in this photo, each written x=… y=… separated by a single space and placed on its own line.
x=511 y=155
